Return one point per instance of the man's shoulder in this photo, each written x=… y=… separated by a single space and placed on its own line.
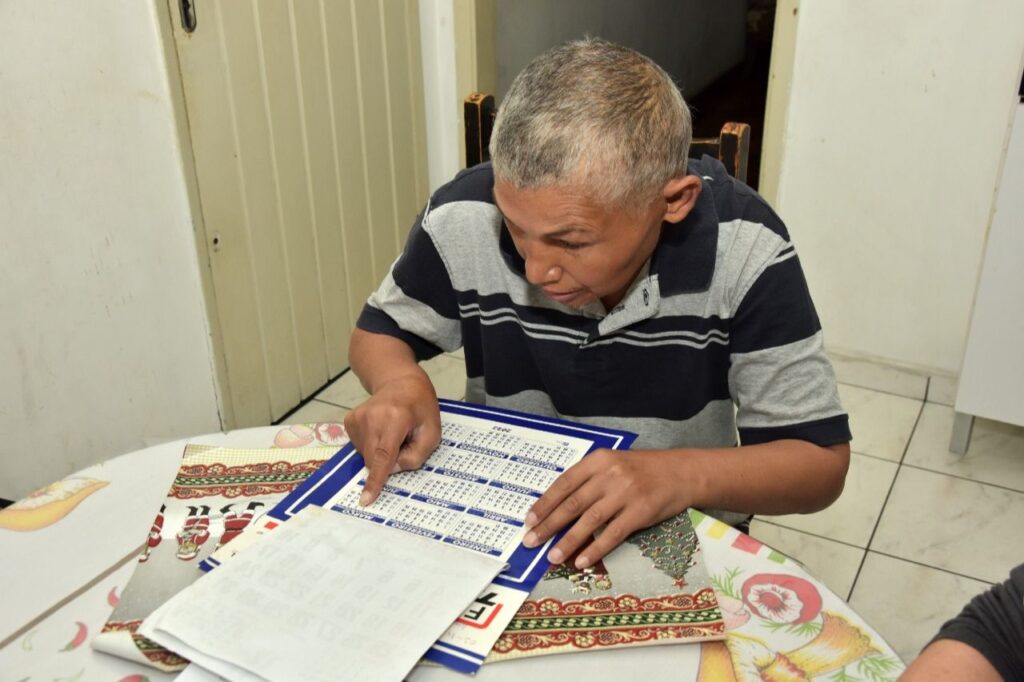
x=735 y=200
x=470 y=184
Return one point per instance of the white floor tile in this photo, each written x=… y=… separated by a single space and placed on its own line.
x=878 y=376
x=852 y=517
x=315 y=411
x=832 y=563
x=995 y=455
x=446 y=372
x=881 y=423
x=960 y=526
x=942 y=390
x=448 y=375
x=907 y=603
x=345 y=391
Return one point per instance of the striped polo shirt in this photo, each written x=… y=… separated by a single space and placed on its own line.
x=716 y=340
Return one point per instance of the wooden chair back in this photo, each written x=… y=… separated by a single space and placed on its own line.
x=731 y=147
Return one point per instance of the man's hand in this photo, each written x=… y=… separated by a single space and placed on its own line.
x=396 y=429
x=626 y=490
x=635 y=489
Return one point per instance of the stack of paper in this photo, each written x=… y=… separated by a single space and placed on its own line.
x=325 y=597
x=473 y=492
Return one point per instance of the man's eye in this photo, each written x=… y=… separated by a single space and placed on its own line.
x=571 y=246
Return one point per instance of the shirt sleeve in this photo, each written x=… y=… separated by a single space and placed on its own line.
x=416 y=302
x=781 y=380
x=993 y=624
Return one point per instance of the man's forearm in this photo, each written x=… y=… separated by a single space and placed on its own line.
x=780 y=477
x=379 y=358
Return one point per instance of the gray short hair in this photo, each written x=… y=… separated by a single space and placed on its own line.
x=596 y=116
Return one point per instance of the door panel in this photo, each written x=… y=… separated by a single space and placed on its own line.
x=306 y=126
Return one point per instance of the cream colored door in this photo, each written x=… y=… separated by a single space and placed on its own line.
x=307 y=133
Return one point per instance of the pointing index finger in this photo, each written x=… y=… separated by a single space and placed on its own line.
x=380 y=462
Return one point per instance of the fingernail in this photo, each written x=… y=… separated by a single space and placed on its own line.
x=582 y=562
x=530 y=540
x=556 y=556
x=364 y=499
x=531 y=519
x=395 y=469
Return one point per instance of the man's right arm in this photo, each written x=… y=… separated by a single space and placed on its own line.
x=399 y=425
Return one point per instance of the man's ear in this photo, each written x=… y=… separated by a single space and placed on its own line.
x=680 y=195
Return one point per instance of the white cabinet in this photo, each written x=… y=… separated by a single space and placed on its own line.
x=992 y=376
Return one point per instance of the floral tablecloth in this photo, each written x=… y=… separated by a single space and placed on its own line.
x=782 y=623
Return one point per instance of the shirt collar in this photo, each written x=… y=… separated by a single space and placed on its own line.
x=684 y=259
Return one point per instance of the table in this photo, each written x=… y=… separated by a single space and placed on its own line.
x=62 y=581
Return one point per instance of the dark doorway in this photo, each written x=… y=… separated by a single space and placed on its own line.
x=740 y=94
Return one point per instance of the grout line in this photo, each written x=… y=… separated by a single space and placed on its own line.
x=918 y=467
x=934 y=568
x=332 y=404
x=880 y=390
x=885 y=503
x=876 y=457
x=813 y=535
x=311 y=398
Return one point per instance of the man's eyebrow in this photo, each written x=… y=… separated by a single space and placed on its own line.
x=555 y=234
x=563 y=232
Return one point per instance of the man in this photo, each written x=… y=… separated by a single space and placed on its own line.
x=593 y=273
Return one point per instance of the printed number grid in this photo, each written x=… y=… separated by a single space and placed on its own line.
x=526 y=476
x=559 y=454
x=454 y=432
x=492 y=534
x=506 y=502
x=492 y=440
x=385 y=505
x=426 y=516
x=409 y=481
x=452 y=490
x=470 y=463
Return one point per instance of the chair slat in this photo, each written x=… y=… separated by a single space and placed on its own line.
x=731 y=147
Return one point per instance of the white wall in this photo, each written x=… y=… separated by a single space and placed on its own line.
x=897 y=123
x=441 y=102
x=103 y=338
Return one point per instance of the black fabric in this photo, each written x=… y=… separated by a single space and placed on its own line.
x=421 y=274
x=775 y=311
x=823 y=432
x=594 y=380
x=993 y=624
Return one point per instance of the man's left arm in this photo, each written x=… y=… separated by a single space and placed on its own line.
x=794 y=434
x=626 y=491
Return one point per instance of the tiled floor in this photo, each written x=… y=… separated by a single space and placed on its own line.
x=917 y=532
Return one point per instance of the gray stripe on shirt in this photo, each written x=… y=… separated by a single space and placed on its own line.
x=416 y=317
x=768 y=384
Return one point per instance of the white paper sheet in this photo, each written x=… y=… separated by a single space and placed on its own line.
x=325 y=597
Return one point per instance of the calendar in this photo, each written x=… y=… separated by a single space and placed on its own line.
x=473 y=493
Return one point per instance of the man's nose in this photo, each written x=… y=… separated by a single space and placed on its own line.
x=541 y=267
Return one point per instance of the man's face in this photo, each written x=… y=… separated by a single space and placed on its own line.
x=576 y=251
